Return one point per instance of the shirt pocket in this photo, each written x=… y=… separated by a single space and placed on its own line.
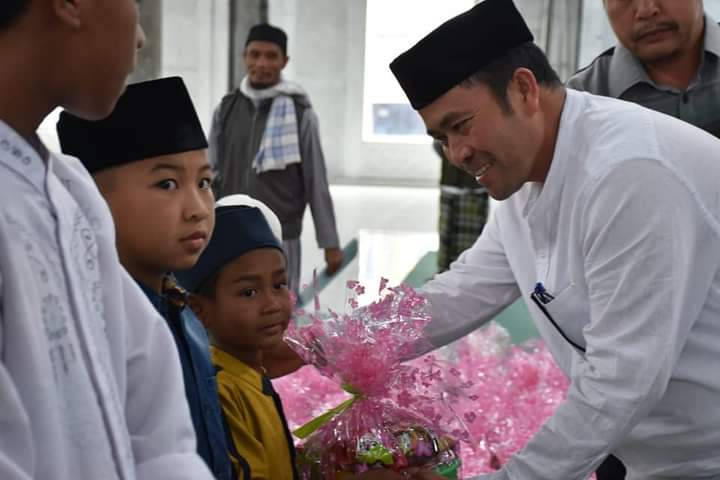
x=569 y=313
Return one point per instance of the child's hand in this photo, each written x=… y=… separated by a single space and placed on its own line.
x=333 y=259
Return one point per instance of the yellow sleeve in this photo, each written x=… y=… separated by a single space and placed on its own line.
x=247 y=443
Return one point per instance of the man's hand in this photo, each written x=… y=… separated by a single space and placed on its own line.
x=333 y=259
x=281 y=360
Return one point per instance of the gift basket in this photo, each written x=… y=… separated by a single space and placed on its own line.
x=394 y=418
x=501 y=392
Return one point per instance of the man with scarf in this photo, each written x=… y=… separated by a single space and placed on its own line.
x=265 y=142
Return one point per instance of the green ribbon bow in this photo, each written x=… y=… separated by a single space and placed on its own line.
x=310 y=427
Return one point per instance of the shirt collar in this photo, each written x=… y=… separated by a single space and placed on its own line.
x=154 y=297
x=626 y=71
x=542 y=198
x=173 y=296
x=17 y=154
x=241 y=370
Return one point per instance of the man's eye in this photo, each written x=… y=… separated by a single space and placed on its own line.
x=205 y=183
x=460 y=125
x=168 y=184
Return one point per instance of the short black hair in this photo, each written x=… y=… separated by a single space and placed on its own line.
x=497 y=74
x=10 y=10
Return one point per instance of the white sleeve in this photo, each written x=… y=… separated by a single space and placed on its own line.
x=16 y=447
x=649 y=262
x=158 y=417
x=478 y=286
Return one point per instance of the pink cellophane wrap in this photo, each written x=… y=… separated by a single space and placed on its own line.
x=502 y=393
x=396 y=404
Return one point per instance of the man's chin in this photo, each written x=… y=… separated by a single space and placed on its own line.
x=657 y=54
x=261 y=85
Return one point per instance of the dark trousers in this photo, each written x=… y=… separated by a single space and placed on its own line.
x=611 y=469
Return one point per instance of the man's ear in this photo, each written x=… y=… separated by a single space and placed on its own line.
x=201 y=307
x=69 y=12
x=526 y=90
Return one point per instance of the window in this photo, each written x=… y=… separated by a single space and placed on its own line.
x=596 y=35
x=392 y=27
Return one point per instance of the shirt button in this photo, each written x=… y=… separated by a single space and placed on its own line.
x=5 y=145
x=26 y=160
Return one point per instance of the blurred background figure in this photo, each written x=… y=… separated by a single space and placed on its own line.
x=265 y=142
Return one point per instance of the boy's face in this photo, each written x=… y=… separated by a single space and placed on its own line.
x=251 y=307
x=102 y=53
x=163 y=208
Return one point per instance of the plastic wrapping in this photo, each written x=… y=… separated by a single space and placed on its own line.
x=502 y=393
x=395 y=416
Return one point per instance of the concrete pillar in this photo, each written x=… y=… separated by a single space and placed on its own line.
x=243 y=15
x=149 y=64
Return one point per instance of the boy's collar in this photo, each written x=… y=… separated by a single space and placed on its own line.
x=173 y=295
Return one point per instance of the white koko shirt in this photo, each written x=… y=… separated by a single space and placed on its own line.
x=90 y=381
x=625 y=234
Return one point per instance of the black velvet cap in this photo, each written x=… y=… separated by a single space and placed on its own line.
x=150 y=119
x=238 y=230
x=268 y=33
x=457 y=49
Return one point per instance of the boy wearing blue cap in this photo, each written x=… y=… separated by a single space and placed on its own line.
x=240 y=292
x=149 y=160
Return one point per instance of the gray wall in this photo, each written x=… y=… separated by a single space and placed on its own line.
x=196 y=46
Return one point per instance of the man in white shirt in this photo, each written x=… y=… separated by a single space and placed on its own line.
x=90 y=381
x=608 y=227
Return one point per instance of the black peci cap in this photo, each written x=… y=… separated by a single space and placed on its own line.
x=457 y=49
x=151 y=119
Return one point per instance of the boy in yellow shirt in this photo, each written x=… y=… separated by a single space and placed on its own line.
x=239 y=291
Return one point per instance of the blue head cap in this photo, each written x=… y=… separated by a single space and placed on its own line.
x=238 y=229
